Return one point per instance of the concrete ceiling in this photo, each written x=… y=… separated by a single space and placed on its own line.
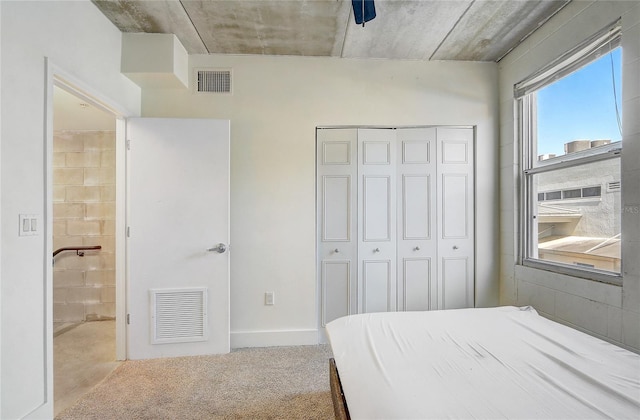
x=470 y=30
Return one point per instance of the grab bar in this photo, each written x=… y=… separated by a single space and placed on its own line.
x=79 y=249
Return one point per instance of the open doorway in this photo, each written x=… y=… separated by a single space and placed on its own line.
x=84 y=244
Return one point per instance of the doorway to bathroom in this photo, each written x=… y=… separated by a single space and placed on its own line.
x=84 y=288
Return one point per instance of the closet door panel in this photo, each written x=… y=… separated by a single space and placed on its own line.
x=376 y=152
x=420 y=288
x=336 y=206
x=455 y=217
x=455 y=206
x=455 y=288
x=417 y=267
x=336 y=224
x=377 y=284
x=376 y=209
x=416 y=207
x=336 y=299
x=336 y=152
x=455 y=148
x=416 y=145
x=377 y=220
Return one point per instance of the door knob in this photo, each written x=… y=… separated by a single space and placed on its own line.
x=455 y=247
x=416 y=248
x=220 y=248
x=376 y=250
x=336 y=251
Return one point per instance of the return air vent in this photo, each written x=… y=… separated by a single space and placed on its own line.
x=214 y=81
x=178 y=315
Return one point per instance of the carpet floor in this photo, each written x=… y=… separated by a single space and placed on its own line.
x=255 y=383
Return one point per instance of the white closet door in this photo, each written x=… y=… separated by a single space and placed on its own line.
x=455 y=206
x=337 y=212
x=395 y=220
x=417 y=238
x=377 y=220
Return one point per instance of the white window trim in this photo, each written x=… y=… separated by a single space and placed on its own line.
x=524 y=92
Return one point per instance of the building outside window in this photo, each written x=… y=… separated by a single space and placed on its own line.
x=570 y=132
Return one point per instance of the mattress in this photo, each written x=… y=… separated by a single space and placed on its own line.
x=494 y=363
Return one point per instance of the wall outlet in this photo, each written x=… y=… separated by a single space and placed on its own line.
x=268 y=298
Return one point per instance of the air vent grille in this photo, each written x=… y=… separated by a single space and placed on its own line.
x=214 y=81
x=179 y=315
x=613 y=186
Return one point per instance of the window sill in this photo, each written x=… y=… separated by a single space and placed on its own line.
x=569 y=270
x=570 y=201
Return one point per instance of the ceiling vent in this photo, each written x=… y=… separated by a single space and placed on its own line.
x=214 y=81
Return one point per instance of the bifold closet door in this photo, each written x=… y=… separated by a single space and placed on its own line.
x=337 y=222
x=455 y=215
x=395 y=219
x=417 y=227
x=377 y=220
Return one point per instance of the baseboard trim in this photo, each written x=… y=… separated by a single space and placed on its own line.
x=241 y=339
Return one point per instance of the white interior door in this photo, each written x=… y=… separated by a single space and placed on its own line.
x=178 y=275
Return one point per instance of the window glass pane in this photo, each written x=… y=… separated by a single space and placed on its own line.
x=579 y=232
x=578 y=112
x=591 y=192
x=572 y=193
x=553 y=195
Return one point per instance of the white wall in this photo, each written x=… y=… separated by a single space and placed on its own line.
x=607 y=311
x=276 y=104
x=80 y=40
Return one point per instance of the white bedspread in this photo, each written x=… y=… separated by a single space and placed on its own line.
x=496 y=363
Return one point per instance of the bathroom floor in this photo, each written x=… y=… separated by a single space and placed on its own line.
x=83 y=355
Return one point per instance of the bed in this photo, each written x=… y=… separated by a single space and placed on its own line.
x=493 y=363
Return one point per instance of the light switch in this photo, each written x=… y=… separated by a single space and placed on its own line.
x=28 y=225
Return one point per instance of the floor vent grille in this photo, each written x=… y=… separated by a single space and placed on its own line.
x=178 y=315
x=214 y=81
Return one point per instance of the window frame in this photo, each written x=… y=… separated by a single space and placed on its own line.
x=526 y=103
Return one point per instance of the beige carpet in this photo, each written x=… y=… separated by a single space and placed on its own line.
x=264 y=383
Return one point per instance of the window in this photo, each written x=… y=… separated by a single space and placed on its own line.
x=576 y=193
x=592 y=191
x=570 y=132
x=553 y=195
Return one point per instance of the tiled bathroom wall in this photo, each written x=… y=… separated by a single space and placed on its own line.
x=84 y=215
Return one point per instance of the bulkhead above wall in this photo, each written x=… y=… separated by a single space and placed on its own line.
x=155 y=60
